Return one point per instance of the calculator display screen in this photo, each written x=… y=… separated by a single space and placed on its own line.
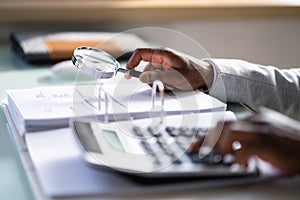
x=112 y=138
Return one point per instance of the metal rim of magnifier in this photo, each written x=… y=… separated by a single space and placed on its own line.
x=94 y=72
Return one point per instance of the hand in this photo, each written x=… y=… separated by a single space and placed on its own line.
x=172 y=69
x=282 y=152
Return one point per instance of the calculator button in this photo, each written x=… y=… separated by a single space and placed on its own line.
x=139 y=132
x=173 y=131
x=195 y=131
x=146 y=145
x=228 y=159
x=176 y=159
x=136 y=130
x=170 y=129
x=164 y=146
x=150 y=147
x=183 y=142
x=189 y=133
x=153 y=131
x=212 y=158
x=170 y=146
x=201 y=131
x=183 y=130
x=154 y=159
x=168 y=150
x=163 y=158
x=161 y=141
x=177 y=162
x=217 y=158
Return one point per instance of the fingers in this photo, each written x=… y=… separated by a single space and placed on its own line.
x=167 y=77
x=225 y=136
x=212 y=137
x=152 y=72
x=230 y=134
x=195 y=146
x=168 y=67
x=282 y=153
x=243 y=154
x=156 y=56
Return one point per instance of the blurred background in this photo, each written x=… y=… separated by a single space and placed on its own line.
x=264 y=31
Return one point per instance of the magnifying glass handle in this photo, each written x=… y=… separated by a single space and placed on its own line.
x=132 y=73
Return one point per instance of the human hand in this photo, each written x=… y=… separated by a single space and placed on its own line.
x=172 y=68
x=256 y=137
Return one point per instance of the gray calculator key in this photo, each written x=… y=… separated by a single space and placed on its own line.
x=212 y=158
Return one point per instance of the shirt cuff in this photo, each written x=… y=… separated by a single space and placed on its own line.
x=215 y=71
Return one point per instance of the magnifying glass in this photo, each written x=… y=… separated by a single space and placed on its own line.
x=99 y=64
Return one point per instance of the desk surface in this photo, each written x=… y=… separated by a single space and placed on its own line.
x=14 y=183
x=14 y=73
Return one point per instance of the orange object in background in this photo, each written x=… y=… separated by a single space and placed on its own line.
x=60 y=50
x=53 y=47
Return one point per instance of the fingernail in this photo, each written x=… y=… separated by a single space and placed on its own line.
x=127 y=76
x=204 y=150
x=236 y=145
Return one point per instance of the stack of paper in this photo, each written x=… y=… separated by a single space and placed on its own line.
x=45 y=108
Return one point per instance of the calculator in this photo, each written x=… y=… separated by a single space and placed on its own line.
x=145 y=150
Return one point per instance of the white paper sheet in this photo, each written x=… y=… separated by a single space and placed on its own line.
x=62 y=172
x=46 y=108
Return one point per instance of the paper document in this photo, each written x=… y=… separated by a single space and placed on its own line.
x=51 y=107
x=62 y=172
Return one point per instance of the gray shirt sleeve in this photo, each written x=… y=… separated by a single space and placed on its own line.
x=257 y=85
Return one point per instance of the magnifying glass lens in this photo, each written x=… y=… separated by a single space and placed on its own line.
x=94 y=70
x=98 y=64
